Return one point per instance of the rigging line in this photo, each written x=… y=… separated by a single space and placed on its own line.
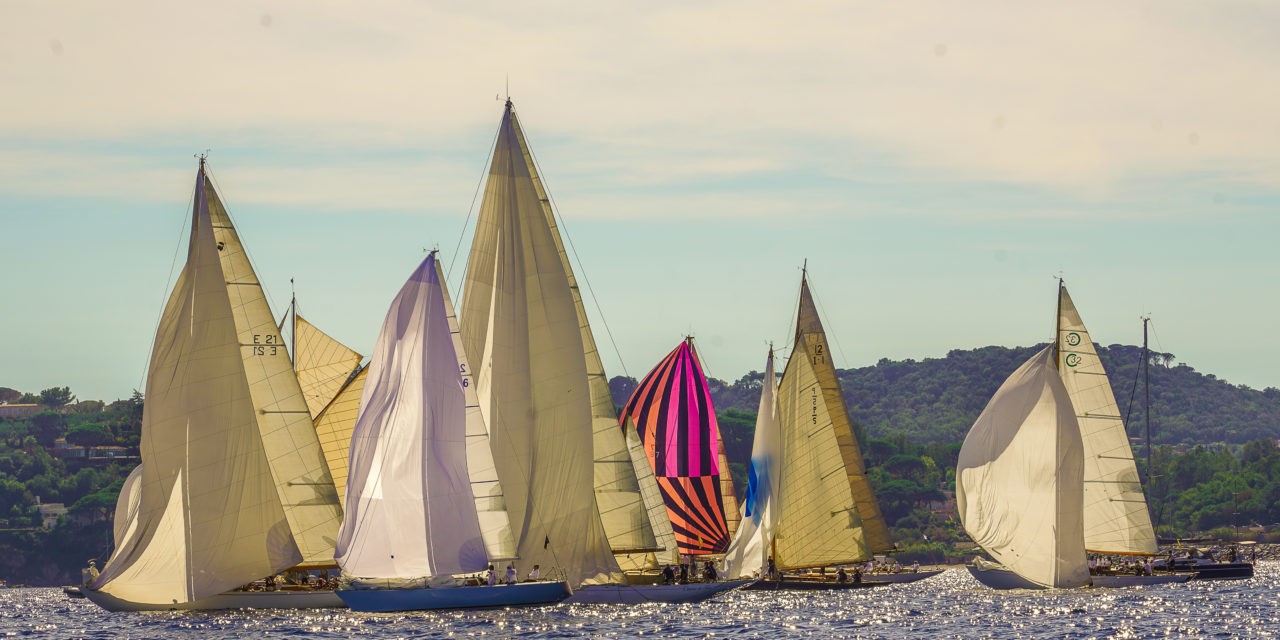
x=1134 y=389
x=190 y=213
x=791 y=323
x=555 y=210
x=253 y=268
x=484 y=173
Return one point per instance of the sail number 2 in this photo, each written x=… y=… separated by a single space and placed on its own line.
x=265 y=344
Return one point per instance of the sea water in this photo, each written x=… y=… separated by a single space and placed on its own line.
x=951 y=605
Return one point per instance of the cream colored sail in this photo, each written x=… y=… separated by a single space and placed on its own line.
x=334 y=427
x=323 y=364
x=731 y=515
x=617 y=485
x=811 y=341
x=491 y=504
x=818 y=519
x=668 y=551
x=1115 y=510
x=519 y=319
x=222 y=476
x=1019 y=478
x=297 y=462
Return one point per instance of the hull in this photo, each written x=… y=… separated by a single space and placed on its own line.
x=228 y=600
x=1136 y=581
x=1224 y=571
x=639 y=594
x=1001 y=578
x=516 y=595
x=801 y=584
x=900 y=578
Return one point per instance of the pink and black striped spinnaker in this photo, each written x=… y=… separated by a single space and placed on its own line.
x=674 y=418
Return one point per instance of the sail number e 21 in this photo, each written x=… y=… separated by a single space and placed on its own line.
x=265 y=344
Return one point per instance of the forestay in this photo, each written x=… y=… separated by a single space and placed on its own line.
x=1115 y=510
x=1019 y=478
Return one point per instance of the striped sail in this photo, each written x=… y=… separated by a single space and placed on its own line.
x=675 y=420
x=1115 y=508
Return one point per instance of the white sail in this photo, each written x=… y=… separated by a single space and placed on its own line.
x=410 y=511
x=618 y=488
x=1115 y=510
x=668 y=551
x=334 y=426
x=231 y=488
x=1020 y=475
x=818 y=520
x=519 y=317
x=490 y=503
x=323 y=364
x=748 y=553
x=126 y=515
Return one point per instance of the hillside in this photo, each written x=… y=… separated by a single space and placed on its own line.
x=935 y=400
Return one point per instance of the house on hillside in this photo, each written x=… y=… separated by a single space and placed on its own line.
x=50 y=512
x=20 y=410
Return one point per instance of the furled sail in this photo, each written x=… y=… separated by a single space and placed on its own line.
x=520 y=324
x=618 y=489
x=1020 y=475
x=323 y=364
x=233 y=484
x=1115 y=510
x=748 y=553
x=334 y=427
x=675 y=420
x=411 y=511
x=811 y=342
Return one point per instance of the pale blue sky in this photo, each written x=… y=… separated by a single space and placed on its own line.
x=937 y=163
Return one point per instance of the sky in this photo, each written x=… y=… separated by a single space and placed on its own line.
x=938 y=165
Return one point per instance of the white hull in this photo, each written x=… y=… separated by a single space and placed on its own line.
x=1001 y=578
x=640 y=594
x=228 y=600
x=1137 y=581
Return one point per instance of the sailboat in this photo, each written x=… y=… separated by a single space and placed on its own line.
x=576 y=491
x=811 y=504
x=232 y=486
x=1038 y=509
x=424 y=500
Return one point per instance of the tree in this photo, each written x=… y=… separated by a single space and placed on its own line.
x=56 y=396
x=48 y=426
x=90 y=435
x=8 y=395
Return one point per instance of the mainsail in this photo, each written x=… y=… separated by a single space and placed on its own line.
x=412 y=511
x=748 y=553
x=1019 y=477
x=619 y=483
x=519 y=321
x=673 y=415
x=233 y=484
x=1115 y=510
x=323 y=364
x=334 y=426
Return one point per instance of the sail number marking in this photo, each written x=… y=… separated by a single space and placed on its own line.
x=265 y=344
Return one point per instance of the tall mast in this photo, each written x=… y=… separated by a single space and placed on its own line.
x=1146 y=396
x=1057 y=330
x=293 y=332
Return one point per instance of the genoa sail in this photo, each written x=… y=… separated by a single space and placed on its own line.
x=520 y=326
x=748 y=553
x=1019 y=478
x=334 y=426
x=410 y=509
x=233 y=484
x=675 y=420
x=1116 y=519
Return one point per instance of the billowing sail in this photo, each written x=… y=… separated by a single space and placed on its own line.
x=748 y=553
x=334 y=427
x=811 y=344
x=233 y=485
x=125 y=522
x=1019 y=478
x=410 y=511
x=675 y=420
x=520 y=325
x=1115 y=510
x=618 y=489
x=323 y=364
